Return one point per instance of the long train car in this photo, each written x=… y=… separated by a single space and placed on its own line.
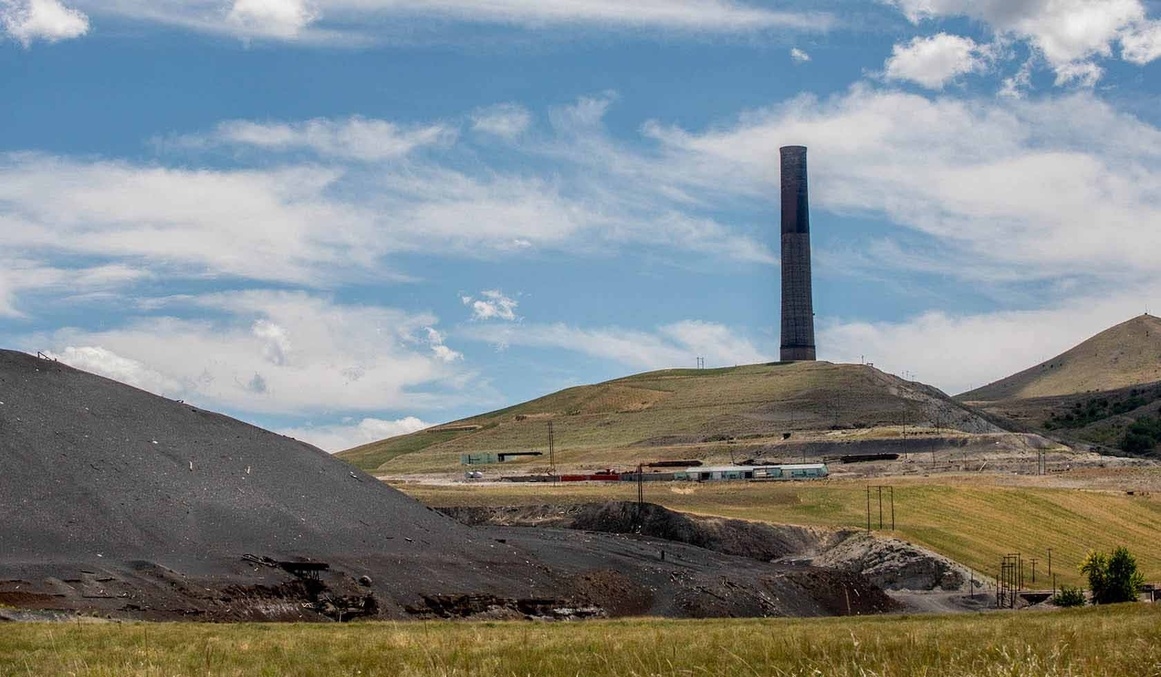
x=786 y=471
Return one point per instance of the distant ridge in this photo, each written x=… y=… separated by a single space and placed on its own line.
x=1126 y=355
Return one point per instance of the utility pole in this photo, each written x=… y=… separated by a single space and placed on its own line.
x=892 y=507
x=640 y=498
x=551 y=453
x=868 y=508
x=1033 y=560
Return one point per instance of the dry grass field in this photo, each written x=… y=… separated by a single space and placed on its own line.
x=1122 y=640
x=974 y=519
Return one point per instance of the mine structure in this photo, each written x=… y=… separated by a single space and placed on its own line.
x=797 y=301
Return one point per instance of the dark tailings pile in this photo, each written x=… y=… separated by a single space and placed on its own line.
x=117 y=502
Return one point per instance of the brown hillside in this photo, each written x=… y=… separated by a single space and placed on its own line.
x=1126 y=355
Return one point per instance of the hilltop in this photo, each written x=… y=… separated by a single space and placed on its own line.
x=1123 y=356
x=686 y=413
x=1104 y=391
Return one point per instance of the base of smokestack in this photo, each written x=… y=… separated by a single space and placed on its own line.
x=798 y=354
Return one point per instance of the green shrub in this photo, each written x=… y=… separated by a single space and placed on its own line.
x=1142 y=436
x=1069 y=596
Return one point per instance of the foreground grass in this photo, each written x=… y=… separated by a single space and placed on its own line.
x=1123 y=640
x=966 y=519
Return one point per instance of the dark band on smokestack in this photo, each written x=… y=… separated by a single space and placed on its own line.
x=797 y=302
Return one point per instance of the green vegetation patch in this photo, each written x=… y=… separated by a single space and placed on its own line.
x=1087 y=412
x=1143 y=436
x=1116 y=640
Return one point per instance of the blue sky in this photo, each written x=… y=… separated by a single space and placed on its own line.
x=345 y=219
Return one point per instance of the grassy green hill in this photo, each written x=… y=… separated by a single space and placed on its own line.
x=657 y=414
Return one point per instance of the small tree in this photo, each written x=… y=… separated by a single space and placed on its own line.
x=1123 y=578
x=1112 y=578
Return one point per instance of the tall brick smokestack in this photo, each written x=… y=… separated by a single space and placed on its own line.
x=797 y=303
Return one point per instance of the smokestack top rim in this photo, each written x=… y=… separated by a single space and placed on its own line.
x=786 y=149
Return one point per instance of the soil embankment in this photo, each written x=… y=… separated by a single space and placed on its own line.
x=888 y=563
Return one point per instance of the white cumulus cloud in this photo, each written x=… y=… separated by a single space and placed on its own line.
x=933 y=62
x=491 y=305
x=1067 y=33
x=273 y=18
x=1081 y=73
x=435 y=339
x=958 y=352
x=286 y=353
x=799 y=56
x=340 y=436
x=1142 y=45
x=29 y=20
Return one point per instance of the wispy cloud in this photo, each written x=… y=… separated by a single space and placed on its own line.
x=271 y=224
x=672 y=345
x=989 y=185
x=507 y=120
x=332 y=201
x=26 y=276
x=350 y=22
x=354 y=138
